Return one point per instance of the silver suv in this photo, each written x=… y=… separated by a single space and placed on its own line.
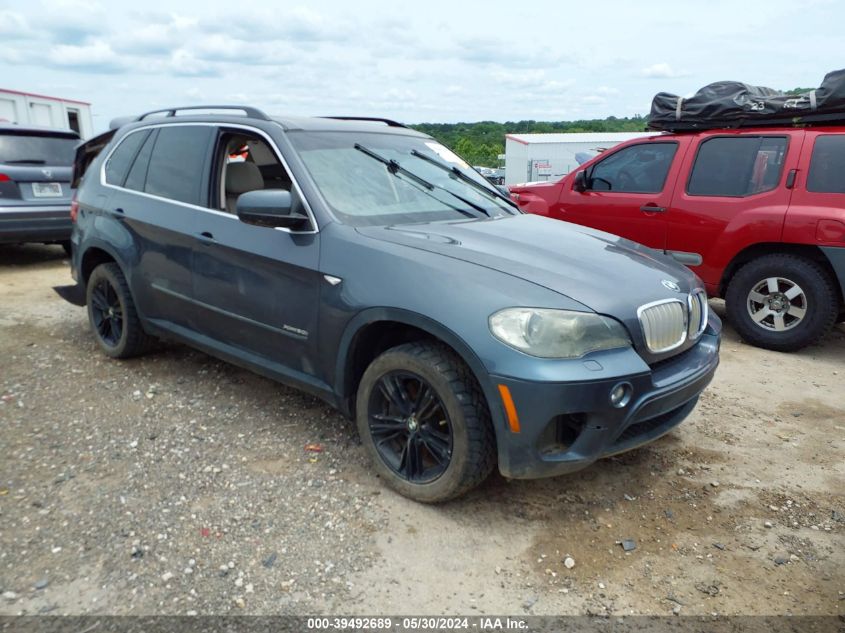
x=35 y=192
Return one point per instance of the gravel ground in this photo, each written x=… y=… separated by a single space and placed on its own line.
x=175 y=483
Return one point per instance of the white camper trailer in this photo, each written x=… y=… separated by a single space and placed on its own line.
x=26 y=108
x=548 y=157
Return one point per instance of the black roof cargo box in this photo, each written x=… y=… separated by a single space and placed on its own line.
x=730 y=104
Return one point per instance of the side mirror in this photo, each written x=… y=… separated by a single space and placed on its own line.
x=580 y=183
x=269 y=207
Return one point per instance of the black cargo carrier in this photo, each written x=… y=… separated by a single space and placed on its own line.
x=731 y=104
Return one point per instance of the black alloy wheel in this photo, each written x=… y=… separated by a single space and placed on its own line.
x=113 y=315
x=410 y=427
x=424 y=422
x=107 y=313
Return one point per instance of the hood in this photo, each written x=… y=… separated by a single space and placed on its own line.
x=605 y=273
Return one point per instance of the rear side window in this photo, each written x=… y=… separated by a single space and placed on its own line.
x=118 y=164
x=827 y=165
x=737 y=166
x=635 y=169
x=137 y=177
x=177 y=163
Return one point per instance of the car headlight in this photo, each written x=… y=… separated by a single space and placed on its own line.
x=551 y=333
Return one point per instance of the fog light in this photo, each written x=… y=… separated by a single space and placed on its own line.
x=620 y=395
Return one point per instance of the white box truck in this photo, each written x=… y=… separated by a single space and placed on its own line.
x=26 y=108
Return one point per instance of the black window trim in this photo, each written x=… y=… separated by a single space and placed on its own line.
x=622 y=149
x=735 y=136
x=315 y=228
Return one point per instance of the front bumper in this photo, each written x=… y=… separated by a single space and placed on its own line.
x=565 y=427
x=50 y=223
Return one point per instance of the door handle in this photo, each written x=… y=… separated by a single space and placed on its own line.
x=207 y=236
x=119 y=210
x=652 y=208
x=790 y=178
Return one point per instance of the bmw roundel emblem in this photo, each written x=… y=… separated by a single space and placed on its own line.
x=671 y=285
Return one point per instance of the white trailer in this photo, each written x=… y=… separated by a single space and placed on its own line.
x=548 y=157
x=26 y=108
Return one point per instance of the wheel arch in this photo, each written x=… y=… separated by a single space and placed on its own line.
x=92 y=257
x=750 y=253
x=375 y=330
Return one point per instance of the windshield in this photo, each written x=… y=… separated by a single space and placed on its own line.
x=352 y=172
x=36 y=149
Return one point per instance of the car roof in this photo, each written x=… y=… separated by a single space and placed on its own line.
x=37 y=129
x=252 y=115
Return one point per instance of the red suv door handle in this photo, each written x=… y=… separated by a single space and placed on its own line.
x=652 y=208
x=790 y=178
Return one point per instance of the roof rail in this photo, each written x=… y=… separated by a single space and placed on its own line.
x=249 y=111
x=389 y=122
x=810 y=119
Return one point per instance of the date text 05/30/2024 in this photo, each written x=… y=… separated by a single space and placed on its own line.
x=417 y=624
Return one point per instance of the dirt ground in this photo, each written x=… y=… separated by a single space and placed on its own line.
x=178 y=484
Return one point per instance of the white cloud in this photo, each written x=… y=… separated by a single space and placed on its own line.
x=607 y=91
x=155 y=37
x=71 y=21
x=553 y=86
x=95 y=57
x=184 y=63
x=519 y=78
x=593 y=100
x=531 y=83
x=194 y=94
x=661 y=71
x=13 y=26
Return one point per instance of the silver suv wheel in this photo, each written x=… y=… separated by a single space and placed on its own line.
x=777 y=303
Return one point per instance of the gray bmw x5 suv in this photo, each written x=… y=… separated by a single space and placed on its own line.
x=369 y=265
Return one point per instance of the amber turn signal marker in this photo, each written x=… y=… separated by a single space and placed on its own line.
x=510 y=409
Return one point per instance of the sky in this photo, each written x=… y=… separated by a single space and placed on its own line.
x=433 y=61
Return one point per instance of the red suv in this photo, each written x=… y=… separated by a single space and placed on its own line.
x=758 y=214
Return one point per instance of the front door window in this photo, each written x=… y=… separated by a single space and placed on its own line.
x=635 y=169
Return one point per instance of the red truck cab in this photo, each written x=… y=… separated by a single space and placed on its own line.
x=758 y=214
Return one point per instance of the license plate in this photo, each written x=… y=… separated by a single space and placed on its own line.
x=47 y=189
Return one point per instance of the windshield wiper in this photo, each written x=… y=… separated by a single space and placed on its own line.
x=457 y=173
x=26 y=161
x=396 y=169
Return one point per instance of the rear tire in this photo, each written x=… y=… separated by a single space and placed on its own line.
x=781 y=302
x=68 y=249
x=425 y=422
x=112 y=314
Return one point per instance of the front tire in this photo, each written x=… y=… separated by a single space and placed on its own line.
x=781 y=302
x=112 y=314
x=425 y=423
